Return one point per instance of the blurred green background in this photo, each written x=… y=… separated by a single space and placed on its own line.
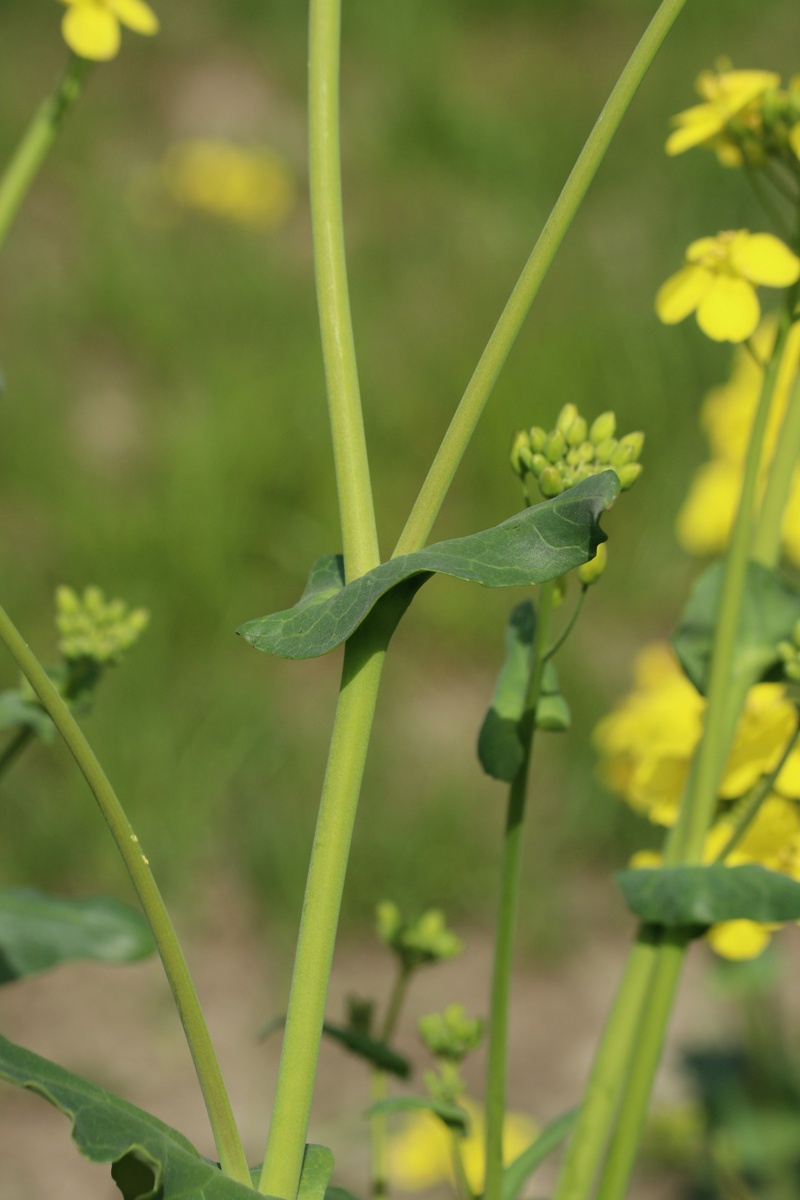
x=163 y=431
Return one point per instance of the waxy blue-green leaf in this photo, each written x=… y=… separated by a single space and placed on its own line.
x=316 y=1173
x=38 y=931
x=501 y=741
x=704 y=895
x=452 y=1115
x=770 y=610
x=151 y=1160
x=518 y=1172
x=536 y=545
x=18 y=712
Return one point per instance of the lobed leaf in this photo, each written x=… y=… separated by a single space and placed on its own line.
x=704 y=895
x=534 y=546
x=770 y=610
x=149 y=1160
x=38 y=931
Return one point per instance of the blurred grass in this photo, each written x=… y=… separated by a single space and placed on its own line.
x=164 y=432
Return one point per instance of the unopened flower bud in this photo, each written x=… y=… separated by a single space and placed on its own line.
x=555 y=447
x=577 y=432
x=521 y=453
x=538 y=437
x=605 y=449
x=538 y=464
x=550 y=482
x=628 y=475
x=635 y=441
x=591 y=571
x=566 y=418
x=450 y=1035
x=573 y=457
x=586 y=452
x=603 y=427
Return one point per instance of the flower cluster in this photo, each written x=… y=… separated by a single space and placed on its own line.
x=647 y=744
x=91 y=627
x=745 y=118
x=718 y=282
x=416 y=942
x=574 y=450
x=91 y=28
x=706 y=516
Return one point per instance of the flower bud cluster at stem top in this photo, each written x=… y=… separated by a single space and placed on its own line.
x=416 y=942
x=574 y=450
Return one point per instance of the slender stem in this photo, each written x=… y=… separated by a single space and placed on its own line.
x=497 y=1064
x=570 y=625
x=459 y=1169
x=39 y=137
x=379 y=1125
x=609 y=1071
x=22 y=738
x=226 y=1136
x=767 y=203
x=767 y=540
x=359 y=535
x=649 y=1044
x=473 y=402
x=758 y=794
x=363 y=663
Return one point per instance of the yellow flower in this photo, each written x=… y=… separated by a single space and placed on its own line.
x=421 y=1156
x=705 y=519
x=647 y=743
x=91 y=27
x=719 y=282
x=739 y=940
x=726 y=95
x=250 y=186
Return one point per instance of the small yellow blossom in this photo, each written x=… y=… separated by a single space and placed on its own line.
x=739 y=940
x=726 y=95
x=421 y=1155
x=91 y=28
x=250 y=186
x=719 y=281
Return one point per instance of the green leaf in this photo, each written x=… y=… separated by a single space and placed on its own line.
x=316 y=1172
x=451 y=1114
x=38 y=931
x=536 y=545
x=377 y=1053
x=552 y=711
x=145 y=1152
x=16 y=711
x=770 y=610
x=516 y=1173
x=703 y=895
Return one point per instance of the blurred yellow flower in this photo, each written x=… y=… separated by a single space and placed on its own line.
x=726 y=95
x=705 y=519
x=253 y=187
x=647 y=742
x=91 y=28
x=739 y=940
x=421 y=1155
x=719 y=281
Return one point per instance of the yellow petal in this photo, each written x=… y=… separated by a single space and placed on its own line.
x=91 y=31
x=738 y=940
x=713 y=248
x=729 y=311
x=704 y=522
x=694 y=126
x=764 y=258
x=682 y=293
x=135 y=15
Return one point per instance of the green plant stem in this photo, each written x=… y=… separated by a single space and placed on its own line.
x=226 y=1136
x=767 y=203
x=39 y=137
x=570 y=625
x=363 y=663
x=480 y=386
x=609 y=1071
x=497 y=1065
x=758 y=794
x=379 y=1128
x=359 y=535
x=22 y=738
x=462 y=1182
x=767 y=540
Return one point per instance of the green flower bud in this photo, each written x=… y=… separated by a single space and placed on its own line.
x=90 y=627
x=603 y=427
x=538 y=464
x=633 y=442
x=628 y=475
x=566 y=418
x=604 y=450
x=550 y=482
x=586 y=452
x=591 y=571
x=521 y=453
x=573 y=457
x=425 y=940
x=583 y=471
x=555 y=447
x=622 y=455
x=576 y=432
x=538 y=437
x=450 y=1035
x=388 y=921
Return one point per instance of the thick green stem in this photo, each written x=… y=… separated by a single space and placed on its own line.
x=39 y=137
x=497 y=1065
x=226 y=1136
x=479 y=389
x=379 y=1128
x=359 y=535
x=609 y=1072
x=363 y=663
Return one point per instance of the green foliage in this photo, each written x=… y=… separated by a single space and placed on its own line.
x=518 y=1172
x=534 y=546
x=18 y=710
x=452 y=1115
x=38 y=931
x=149 y=1157
x=378 y=1054
x=704 y=895
x=316 y=1172
x=770 y=611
